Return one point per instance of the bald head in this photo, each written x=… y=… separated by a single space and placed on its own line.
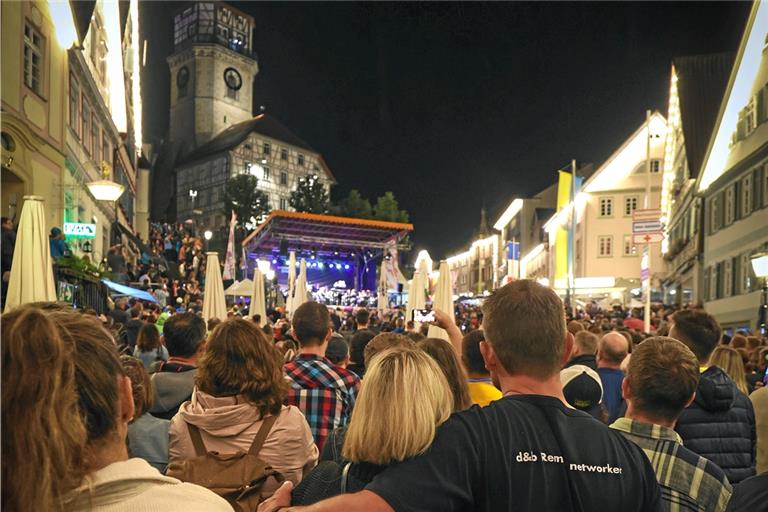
x=612 y=351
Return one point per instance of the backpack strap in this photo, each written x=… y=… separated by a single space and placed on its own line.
x=261 y=435
x=345 y=477
x=197 y=440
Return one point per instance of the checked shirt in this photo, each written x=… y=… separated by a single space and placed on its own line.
x=687 y=480
x=323 y=392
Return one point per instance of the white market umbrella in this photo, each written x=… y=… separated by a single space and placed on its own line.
x=242 y=288
x=291 y=281
x=415 y=295
x=258 y=301
x=214 y=305
x=300 y=290
x=383 y=301
x=443 y=300
x=31 y=278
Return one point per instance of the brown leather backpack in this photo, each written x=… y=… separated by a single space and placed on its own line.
x=236 y=477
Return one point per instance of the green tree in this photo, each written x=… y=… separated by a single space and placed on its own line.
x=249 y=203
x=387 y=209
x=310 y=196
x=355 y=205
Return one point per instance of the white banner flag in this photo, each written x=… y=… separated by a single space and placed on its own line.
x=229 y=261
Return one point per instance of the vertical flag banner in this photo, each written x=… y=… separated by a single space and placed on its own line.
x=561 y=236
x=229 y=260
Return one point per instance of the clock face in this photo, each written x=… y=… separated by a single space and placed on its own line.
x=233 y=79
x=182 y=77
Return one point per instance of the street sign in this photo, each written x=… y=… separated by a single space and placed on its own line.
x=654 y=214
x=79 y=230
x=647 y=238
x=646 y=226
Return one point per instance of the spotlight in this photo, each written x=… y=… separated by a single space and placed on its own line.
x=338 y=266
x=274 y=262
x=321 y=265
x=346 y=267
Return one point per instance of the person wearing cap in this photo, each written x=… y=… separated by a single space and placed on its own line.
x=661 y=382
x=583 y=390
x=338 y=350
x=59 y=247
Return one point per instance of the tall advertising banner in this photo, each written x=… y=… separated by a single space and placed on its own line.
x=561 y=237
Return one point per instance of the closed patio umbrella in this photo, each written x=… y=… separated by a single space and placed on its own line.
x=300 y=290
x=443 y=300
x=31 y=278
x=258 y=301
x=214 y=305
x=383 y=301
x=291 y=281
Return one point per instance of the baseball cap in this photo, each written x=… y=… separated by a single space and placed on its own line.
x=337 y=348
x=582 y=387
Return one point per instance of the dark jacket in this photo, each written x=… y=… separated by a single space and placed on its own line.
x=720 y=425
x=585 y=359
x=7 y=244
x=325 y=481
x=132 y=328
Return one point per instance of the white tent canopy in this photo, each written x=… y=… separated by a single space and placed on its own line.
x=31 y=278
x=214 y=305
x=242 y=288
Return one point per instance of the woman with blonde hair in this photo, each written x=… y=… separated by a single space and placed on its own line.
x=239 y=386
x=390 y=423
x=730 y=361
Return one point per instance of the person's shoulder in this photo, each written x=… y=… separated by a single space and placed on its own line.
x=187 y=497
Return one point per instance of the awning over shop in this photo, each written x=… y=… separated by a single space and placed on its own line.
x=127 y=290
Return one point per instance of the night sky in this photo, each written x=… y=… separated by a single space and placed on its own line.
x=454 y=106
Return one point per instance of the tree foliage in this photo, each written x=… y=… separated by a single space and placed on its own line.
x=310 y=196
x=387 y=209
x=355 y=205
x=249 y=203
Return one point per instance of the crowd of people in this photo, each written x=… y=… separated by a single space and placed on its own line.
x=514 y=407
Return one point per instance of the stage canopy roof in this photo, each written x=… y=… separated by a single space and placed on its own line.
x=323 y=234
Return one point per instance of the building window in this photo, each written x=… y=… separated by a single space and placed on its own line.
x=74 y=105
x=605 y=246
x=284 y=178
x=713 y=282
x=33 y=59
x=730 y=204
x=715 y=214
x=727 y=278
x=745 y=274
x=630 y=249
x=746 y=195
x=750 y=117
x=283 y=203
x=86 y=130
x=106 y=148
x=301 y=160
x=233 y=94
x=765 y=185
x=266 y=173
x=606 y=207
x=95 y=138
x=247 y=167
x=630 y=205
x=283 y=154
x=655 y=166
x=266 y=149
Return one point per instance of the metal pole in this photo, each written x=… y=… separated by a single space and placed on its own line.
x=572 y=241
x=647 y=315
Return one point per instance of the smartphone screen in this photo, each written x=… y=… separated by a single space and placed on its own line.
x=423 y=315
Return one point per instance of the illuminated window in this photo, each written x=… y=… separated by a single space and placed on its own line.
x=605 y=246
x=630 y=205
x=727 y=278
x=630 y=249
x=106 y=148
x=715 y=214
x=745 y=274
x=86 y=130
x=266 y=173
x=33 y=59
x=74 y=105
x=655 y=166
x=606 y=207
x=95 y=138
x=301 y=160
x=283 y=203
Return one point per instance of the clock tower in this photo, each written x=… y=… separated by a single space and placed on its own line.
x=212 y=66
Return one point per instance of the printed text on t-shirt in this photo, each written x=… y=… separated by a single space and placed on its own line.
x=558 y=459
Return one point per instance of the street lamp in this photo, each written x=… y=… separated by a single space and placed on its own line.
x=208 y=234
x=105 y=189
x=760 y=267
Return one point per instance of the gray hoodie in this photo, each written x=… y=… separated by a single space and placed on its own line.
x=171 y=390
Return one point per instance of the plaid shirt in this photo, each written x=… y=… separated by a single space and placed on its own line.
x=687 y=480
x=323 y=392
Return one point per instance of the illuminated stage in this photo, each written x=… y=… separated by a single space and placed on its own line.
x=337 y=249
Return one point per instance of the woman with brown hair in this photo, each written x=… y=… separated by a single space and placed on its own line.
x=43 y=433
x=445 y=355
x=239 y=384
x=148 y=348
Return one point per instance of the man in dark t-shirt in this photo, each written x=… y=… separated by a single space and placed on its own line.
x=527 y=451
